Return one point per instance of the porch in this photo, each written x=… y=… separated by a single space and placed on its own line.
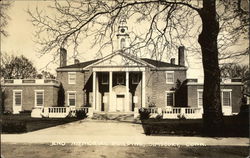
x=117 y=89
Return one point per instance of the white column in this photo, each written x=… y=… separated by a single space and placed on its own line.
x=127 y=93
x=94 y=89
x=110 y=90
x=97 y=103
x=143 y=90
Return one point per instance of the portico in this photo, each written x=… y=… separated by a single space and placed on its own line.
x=118 y=89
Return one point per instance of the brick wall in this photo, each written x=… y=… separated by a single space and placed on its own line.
x=236 y=95
x=78 y=87
x=28 y=96
x=157 y=86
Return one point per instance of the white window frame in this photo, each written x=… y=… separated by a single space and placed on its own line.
x=68 y=98
x=222 y=100
x=166 y=97
x=199 y=90
x=135 y=78
x=36 y=98
x=168 y=72
x=14 y=97
x=69 y=78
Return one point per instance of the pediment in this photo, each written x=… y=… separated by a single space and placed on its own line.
x=119 y=60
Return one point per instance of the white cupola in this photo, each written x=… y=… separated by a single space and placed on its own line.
x=122 y=36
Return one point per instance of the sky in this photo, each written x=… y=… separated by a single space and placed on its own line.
x=21 y=41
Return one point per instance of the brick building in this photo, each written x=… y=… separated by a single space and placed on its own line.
x=118 y=82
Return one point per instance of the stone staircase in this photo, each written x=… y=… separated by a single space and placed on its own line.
x=122 y=117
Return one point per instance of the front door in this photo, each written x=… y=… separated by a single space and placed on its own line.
x=120 y=102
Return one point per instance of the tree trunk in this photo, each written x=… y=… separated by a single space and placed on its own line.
x=212 y=117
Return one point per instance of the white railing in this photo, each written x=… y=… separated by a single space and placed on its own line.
x=180 y=112
x=173 y=112
x=56 y=112
x=31 y=82
x=60 y=112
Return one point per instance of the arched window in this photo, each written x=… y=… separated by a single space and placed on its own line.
x=122 y=43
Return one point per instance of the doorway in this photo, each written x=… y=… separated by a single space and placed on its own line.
x=120 y=102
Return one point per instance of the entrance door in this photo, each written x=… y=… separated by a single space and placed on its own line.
x=120 y=100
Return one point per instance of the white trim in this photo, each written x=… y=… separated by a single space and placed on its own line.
x=166 y=98
x=36 y=98
x=126 y=55
x=201 y=84
x=143 y=89
x=68 y=98
x=118 y=68
x=166 y=74
x=70 y=81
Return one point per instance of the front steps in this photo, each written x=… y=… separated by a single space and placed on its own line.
x=123 y=117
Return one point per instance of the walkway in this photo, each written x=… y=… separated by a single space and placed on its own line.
x=89 y=132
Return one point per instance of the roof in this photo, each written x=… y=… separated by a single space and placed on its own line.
x=158 y=63
x=81 y=65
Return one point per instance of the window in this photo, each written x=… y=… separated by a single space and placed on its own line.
x=72 y=98
x=226 y=97
x=135 y=79
x=170 y=77
x=120 y=79
x=200 y=97
x=105 y=78
x=39 y=98
x=71 y=77
x=122 y=43
x=170 y=98
x=17 y=97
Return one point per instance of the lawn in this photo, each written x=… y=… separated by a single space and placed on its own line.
x=22 y=123
x=234 y=126
x=47 y=151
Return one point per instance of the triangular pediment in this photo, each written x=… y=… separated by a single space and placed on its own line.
x=119 y=59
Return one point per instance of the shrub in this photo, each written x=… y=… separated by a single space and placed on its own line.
x=14 y=127
x=181 y=117
x=159 y=117
x=81 y=114
x=144 y=113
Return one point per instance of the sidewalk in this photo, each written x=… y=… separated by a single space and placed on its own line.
x=113 y=133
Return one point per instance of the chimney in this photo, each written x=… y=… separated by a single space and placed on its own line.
x=76 y=61
x=181 y=56
x=172 y=60
x=63 y=57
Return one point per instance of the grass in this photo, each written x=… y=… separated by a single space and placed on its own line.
x=234 y=126
x=22 y=123
x=47 y=151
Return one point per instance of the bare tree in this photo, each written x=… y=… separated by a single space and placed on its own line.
x=4 y=6
x=168 y=24
x=233 y=70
